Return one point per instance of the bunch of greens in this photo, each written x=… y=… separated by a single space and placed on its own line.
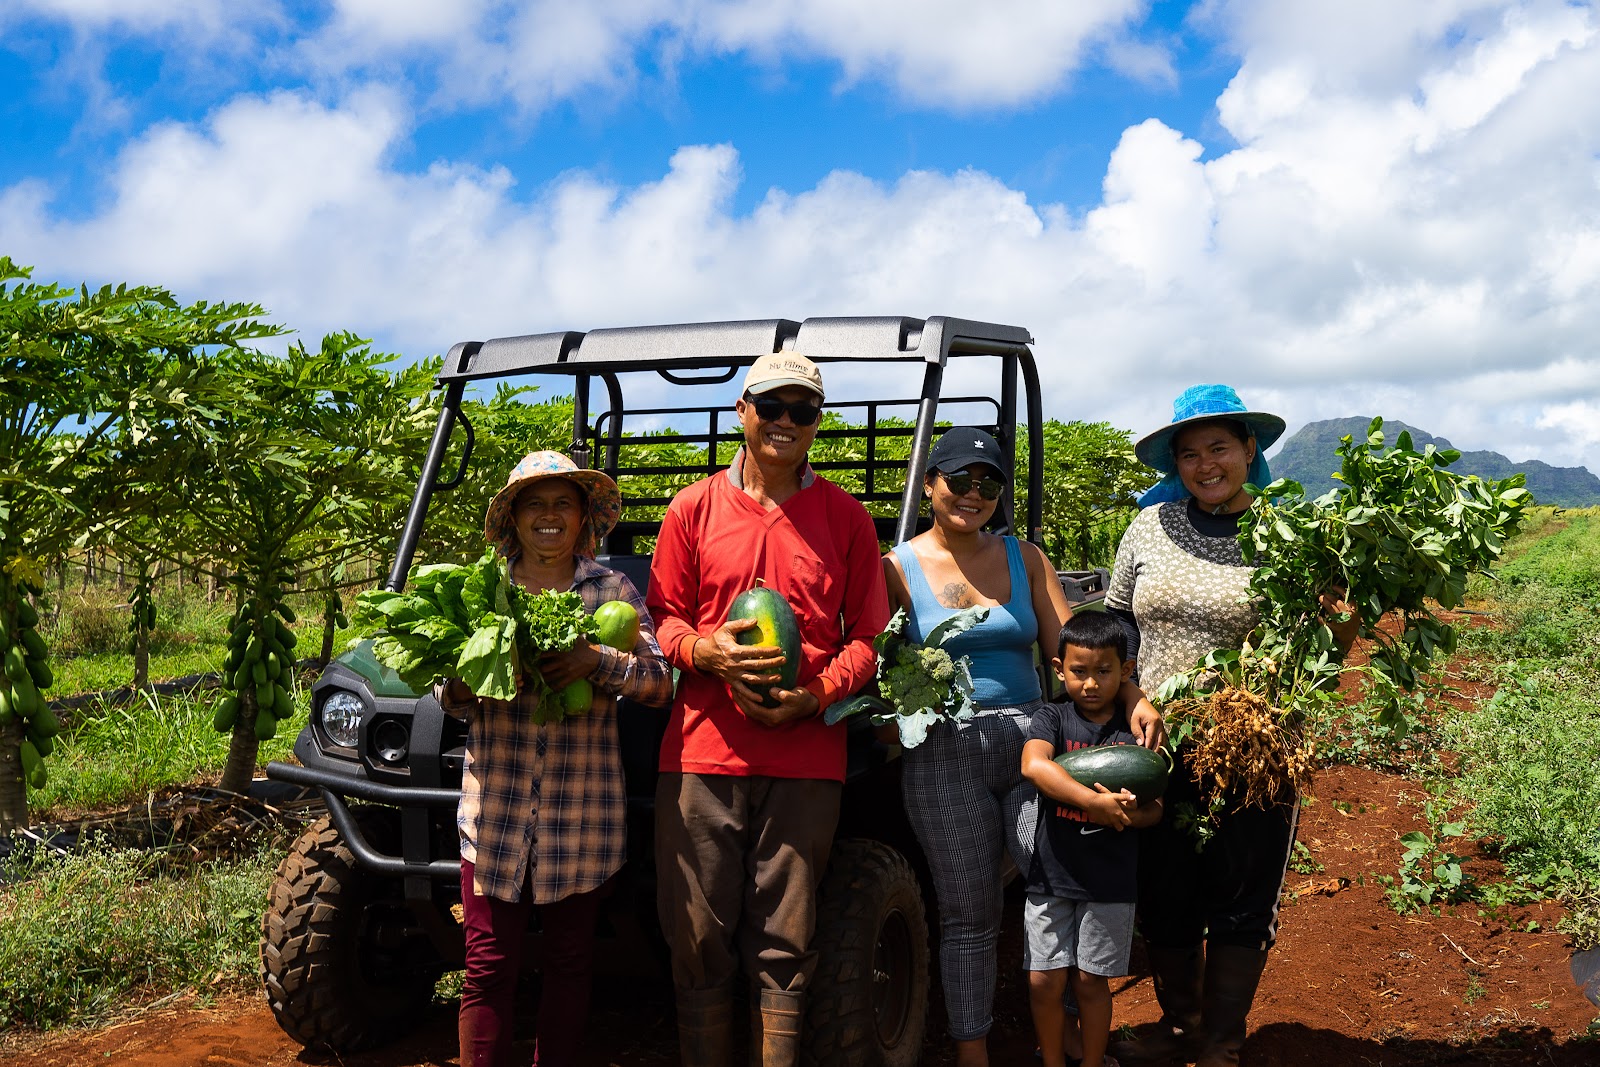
x=472 y=622
x=1402 y=535
x=453 y=621
x=916 y=685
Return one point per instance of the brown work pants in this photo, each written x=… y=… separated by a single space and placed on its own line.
x=738 y=860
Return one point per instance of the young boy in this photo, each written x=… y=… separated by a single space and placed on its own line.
x=1079 y=914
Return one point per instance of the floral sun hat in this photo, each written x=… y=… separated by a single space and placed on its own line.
x=604 y=503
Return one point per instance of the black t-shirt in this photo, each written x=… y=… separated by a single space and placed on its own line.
x=1073 y=857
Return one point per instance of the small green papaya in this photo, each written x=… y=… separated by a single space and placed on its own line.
x=44 y=722
x=33 y=770
x=45 y=745
x=32 y=644
x=282 y=704
x=42 y=675
x=26 y=614
x=226 y=714
x=287 y=612
x=576 y=697
x=266 y=726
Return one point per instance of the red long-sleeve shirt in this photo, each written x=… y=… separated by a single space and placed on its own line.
x=820 y=551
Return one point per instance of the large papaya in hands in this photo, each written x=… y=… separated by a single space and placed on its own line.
x=775 y=626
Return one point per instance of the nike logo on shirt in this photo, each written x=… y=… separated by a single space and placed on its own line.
x=1090 y=829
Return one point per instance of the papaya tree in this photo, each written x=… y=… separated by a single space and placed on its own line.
x=79 y=369
x=1091 y=484
x=313 y=465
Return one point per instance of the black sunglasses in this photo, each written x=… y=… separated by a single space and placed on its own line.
x=961 y=484
x=769 y=409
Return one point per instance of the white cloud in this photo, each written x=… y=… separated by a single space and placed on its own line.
x=1415 y=235
x=942 y=53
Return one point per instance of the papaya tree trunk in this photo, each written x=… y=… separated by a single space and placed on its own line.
x=141 y=658
x=240 y=769
x=13 y=791
x=328 y=630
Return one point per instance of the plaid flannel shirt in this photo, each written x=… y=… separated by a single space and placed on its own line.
x=551 y=798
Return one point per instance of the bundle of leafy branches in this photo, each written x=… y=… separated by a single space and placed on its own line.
x=917 y=684
x=471 y=621
x=1401 y=535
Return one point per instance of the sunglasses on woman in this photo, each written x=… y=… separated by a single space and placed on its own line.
x=961 y=484
x=770 y=409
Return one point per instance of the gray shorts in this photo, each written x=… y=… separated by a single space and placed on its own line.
x=1096 y=938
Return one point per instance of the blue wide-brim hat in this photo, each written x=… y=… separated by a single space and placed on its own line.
x=1197 y=404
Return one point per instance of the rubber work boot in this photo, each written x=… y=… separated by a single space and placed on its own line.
x=1232 y=974
x=705 y=1027
x=1179 y=977
x=781 y=1014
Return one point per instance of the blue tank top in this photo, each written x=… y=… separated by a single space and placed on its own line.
x=1001 y=647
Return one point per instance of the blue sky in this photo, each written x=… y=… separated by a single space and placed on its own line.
x=1340 y=209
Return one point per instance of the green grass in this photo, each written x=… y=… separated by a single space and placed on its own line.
x=111 y=754
x=82 y=934
x=1528 y=768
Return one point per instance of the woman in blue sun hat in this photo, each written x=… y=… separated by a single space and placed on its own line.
x=1180 y=588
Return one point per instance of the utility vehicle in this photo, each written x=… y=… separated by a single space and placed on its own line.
x=360 y=924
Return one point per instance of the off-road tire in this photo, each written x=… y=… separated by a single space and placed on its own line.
x=868 y=1005
x=328 y=983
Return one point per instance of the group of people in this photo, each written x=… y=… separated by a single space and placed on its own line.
x=751 y=776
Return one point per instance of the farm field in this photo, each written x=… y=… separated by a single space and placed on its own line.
x=1459 y=956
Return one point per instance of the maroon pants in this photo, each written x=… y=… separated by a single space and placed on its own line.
x=495 y=933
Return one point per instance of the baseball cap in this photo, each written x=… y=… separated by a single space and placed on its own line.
x=962 y=446
x=778 y=369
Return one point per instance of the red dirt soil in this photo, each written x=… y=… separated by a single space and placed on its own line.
x=1350 y=982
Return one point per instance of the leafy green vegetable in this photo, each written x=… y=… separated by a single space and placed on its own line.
x=917 y=685
x=430 y=632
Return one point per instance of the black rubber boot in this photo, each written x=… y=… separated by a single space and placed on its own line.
x=705 y=1027
x=778 y=1040
x=1232 y=974
x=1179 y=977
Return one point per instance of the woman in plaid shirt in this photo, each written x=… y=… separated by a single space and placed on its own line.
x=542 y=815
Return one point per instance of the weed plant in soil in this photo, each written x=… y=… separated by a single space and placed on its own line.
x=82 y=935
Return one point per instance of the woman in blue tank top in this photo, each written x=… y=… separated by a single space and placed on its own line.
x=960 y=785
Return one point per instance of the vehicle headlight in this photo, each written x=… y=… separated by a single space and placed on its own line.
x=341 y=718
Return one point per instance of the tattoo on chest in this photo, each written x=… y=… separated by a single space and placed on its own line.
x=956 y=595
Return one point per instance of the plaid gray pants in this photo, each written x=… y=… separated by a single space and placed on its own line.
x=962 y=799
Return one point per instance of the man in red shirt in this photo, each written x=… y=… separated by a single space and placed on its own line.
x=748 y=796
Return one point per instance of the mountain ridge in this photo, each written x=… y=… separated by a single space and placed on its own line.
x=1308 y=457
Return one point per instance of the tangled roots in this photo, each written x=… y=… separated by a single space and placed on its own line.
x=1246 y=751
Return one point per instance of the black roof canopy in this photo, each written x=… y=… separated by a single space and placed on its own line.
x=688 y=346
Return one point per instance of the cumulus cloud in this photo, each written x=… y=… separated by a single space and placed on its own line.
x=942 y=53
x=1416 y=234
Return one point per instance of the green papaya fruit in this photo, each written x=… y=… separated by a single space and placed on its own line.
x=576 y=697
x=150 y=615
x=43 y=676
x=282 y=704
x=618 y=624
x=258 y=672
x=44 y=745
x=234 y=660
x=26 y=614
x=285 y=678
x=341 y=620
x=32 y=644
x=775 y=626
x=264 y=693
x=273 y=664
x=266 y=726
x=43 y=721
x=287 y=612
x=225 y=714
x=6 y=710
x=33 y=771
x=16 y=666
x=24 y=697
x=238 y=635
x=253 y=650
